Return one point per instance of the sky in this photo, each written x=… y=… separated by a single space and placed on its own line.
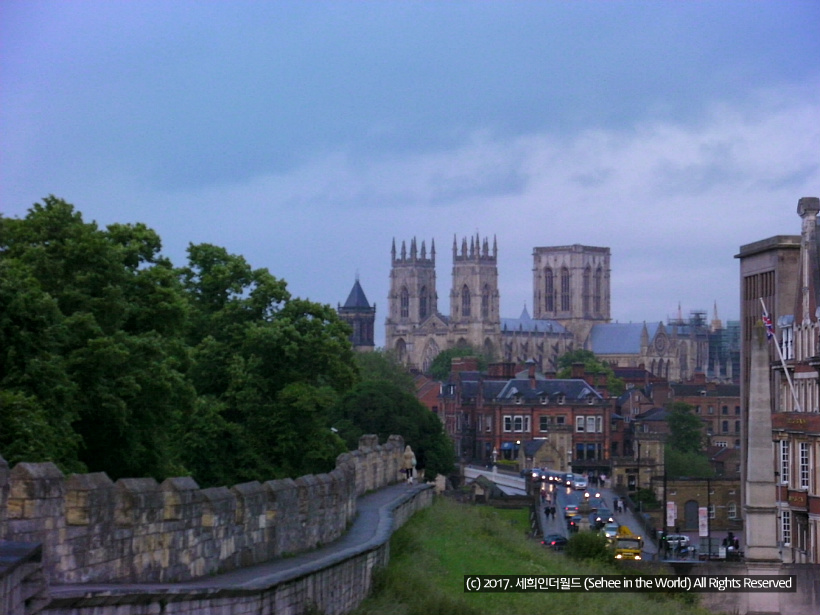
x=307 y=136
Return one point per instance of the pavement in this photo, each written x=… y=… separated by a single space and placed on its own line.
x=371 y=527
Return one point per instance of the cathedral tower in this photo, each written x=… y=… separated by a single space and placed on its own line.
x=412 y=299
x=571 y=285
x=358 y=313
x=474 y=297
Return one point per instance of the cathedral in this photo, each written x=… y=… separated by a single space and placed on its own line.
x=570 y=309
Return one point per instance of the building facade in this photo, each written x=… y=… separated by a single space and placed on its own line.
x=783 y=272
x=361 y=317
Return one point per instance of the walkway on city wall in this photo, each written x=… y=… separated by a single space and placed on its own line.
x=372 y=527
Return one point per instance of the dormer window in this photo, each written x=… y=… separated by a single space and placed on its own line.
x=544 y=400
x=517 y=400
x=561 y=399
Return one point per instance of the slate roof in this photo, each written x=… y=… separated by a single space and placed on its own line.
x=573 y=389
x=526 y=323
x=356 y=298
x=620 y=338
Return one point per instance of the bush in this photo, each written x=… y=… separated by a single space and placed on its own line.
x=589 y=545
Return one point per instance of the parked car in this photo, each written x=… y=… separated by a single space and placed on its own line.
x=556 y=542
x=677 y=540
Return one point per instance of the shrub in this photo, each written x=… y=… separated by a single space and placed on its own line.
x=589 y=545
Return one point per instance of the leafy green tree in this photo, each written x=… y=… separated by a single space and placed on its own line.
x=384 y=409
x=592 y=365
x=267 y=368
x=382 y=366
x=685 y=428
x=110 y=361
x=441 y=365
x=680 y=464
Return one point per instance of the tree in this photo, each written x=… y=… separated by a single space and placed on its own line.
x=593 y=366
x=382 y=366
x=685 y=428
x=384 y=409
x=442 y=364
x=98 y=349
x=267 y=367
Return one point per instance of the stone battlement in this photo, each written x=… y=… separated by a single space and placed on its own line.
x=137 y=530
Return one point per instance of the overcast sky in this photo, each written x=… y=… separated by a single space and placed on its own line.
x=306 y=136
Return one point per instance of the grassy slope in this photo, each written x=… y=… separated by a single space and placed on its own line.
x=431 y=554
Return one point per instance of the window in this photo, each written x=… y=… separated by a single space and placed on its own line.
x=721 y=444
x=527 y=424
x=565 y=290
x=599 y=424
x=517 y=400
x=786 y=527
x=804 y=465
x=549 y=290
x=544 y=400
x=724 y=410
x=405 y=303
x=697 y=409
x=737 y=410
x=518 y=423
x=485 y=302
x=587 y=289
x=423 y=302
x=560 y=420
x=737 y=426
x=590 y=424
x=489 y=422
x=711 y=511
x=579 y=423
x=543 y=423
x=711 y=409
x=784 y=462
x=596 y=297
x=507 y=422
x=561 y=399
x=724 y=427
x=731 y=510
x=465 y=301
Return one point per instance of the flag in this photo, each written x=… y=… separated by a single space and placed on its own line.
x=769 y=326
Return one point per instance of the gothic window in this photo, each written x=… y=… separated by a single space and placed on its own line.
x=549 y=290
x=485 y=302
x=465 y=301
x=597 y=293
x=404 y=303
x=565 y=303
x=423 y=303
x=587 y=290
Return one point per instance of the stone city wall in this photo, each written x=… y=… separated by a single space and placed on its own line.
x=139 y=531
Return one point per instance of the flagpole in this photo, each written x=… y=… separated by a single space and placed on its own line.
x=771 y=334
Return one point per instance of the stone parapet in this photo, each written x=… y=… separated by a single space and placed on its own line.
x=136 y=530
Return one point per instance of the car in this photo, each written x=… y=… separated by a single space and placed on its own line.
x=580 y=483
x=574 y=523
x=610 y=530
x=570 y=510
x=556 y=542
x=677 y=540
x=600 y=518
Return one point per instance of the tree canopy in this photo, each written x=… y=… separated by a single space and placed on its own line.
x=441 y=365
x=592 y=365
x=112 y=359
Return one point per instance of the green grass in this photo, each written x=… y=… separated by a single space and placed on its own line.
x=430 y=555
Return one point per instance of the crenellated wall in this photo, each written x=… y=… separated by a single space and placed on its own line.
x=138 y=530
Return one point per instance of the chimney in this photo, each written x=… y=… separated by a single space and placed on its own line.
x=578 y=370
